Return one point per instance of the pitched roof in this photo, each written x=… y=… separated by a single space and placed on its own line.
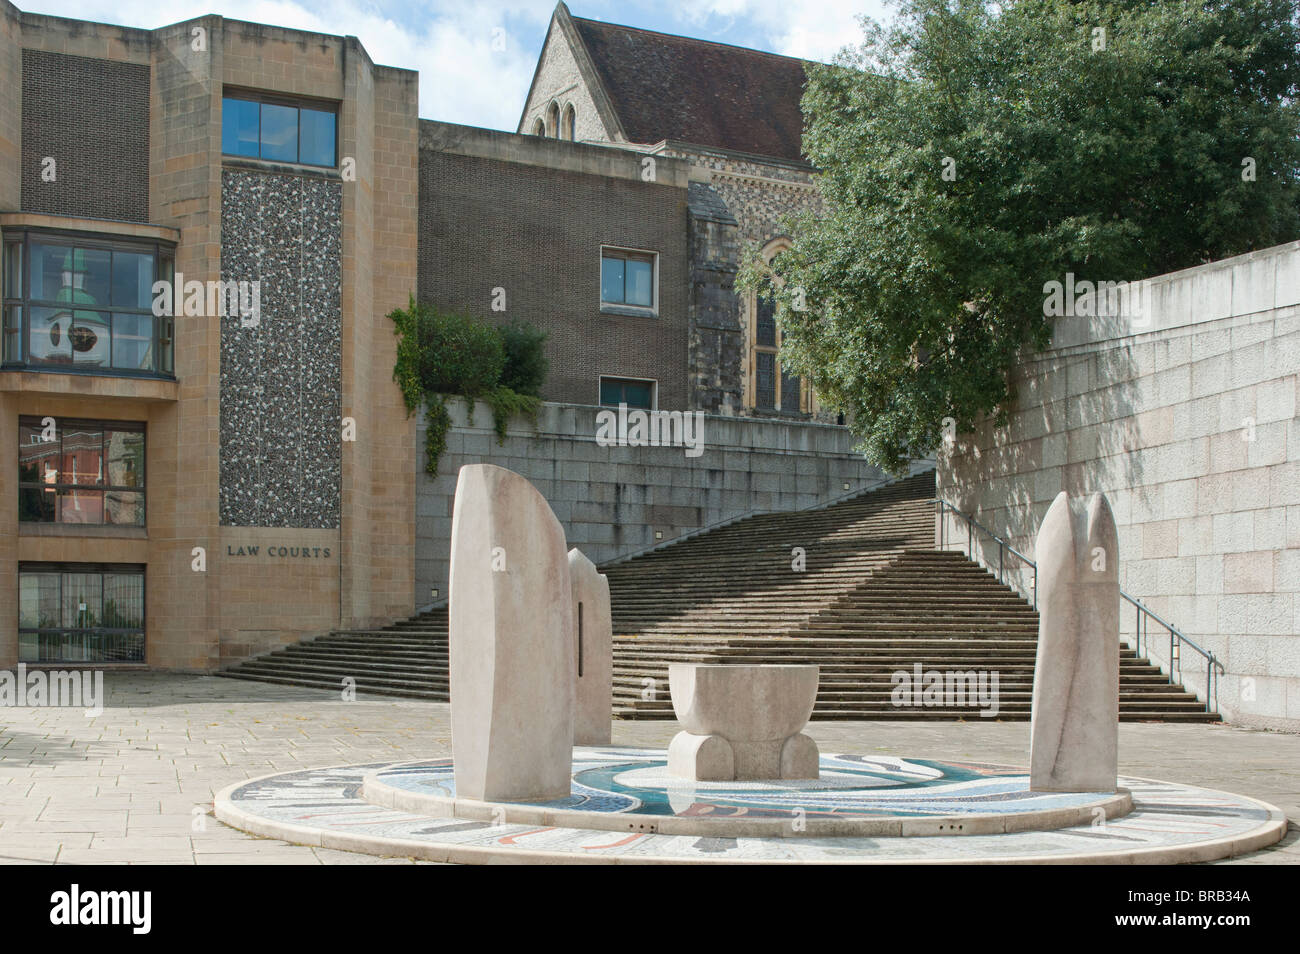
x=694 y=91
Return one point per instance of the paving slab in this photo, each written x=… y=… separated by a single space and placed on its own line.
x=166 y=743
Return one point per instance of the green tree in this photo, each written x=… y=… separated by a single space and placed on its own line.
x=972 y=152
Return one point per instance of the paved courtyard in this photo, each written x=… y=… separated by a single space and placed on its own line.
x=135 y=784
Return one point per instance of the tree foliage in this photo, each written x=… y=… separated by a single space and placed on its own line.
x=1115 y=160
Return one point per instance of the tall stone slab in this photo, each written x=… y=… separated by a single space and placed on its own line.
x=1074 y=730
x=512 y=641
x=594 y=654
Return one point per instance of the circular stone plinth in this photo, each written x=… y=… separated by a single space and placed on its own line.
x=616 y=789
x=1169 y=823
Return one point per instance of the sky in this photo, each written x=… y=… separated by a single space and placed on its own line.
x=476 y=57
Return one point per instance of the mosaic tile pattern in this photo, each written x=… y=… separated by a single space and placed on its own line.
x=850 y=786
x=1169 y=823
x=280 y=381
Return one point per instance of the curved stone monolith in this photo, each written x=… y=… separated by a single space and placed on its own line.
x=594 y=626
x=512 y=641
x=1074 y=728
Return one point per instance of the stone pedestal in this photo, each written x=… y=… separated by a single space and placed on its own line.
x=1074 y=730
x=742 y=722
x=594 y=626
x=512 y=641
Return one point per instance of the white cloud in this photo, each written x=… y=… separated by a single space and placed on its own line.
x=814 y=29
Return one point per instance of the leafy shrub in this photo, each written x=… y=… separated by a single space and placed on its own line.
x=441 y=352
x=525 y=365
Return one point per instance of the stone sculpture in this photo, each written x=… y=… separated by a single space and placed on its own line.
x=594 y=629
x=512 y=641
x=742 y=722
x=1074 y=731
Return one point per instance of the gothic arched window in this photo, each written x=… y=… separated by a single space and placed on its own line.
x=768 y=387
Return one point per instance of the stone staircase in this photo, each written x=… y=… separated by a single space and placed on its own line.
x=855 y=587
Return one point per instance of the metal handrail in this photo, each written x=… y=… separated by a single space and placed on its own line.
x=1141 y=621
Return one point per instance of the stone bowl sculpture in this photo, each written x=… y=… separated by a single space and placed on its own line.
x=742 y=722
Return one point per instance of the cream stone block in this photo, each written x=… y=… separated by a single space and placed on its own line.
x=593 y=624
x=512 y=641
x=747 y=717
x=1074 y=731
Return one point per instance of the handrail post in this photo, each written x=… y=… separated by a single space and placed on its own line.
x=1209 y=667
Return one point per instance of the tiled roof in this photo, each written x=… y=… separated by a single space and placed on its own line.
x=708 y=94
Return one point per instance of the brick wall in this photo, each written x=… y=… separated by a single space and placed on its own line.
x=492 y=215
x=91 y=116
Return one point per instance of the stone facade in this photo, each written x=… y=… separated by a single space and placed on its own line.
x=337 y=550
x=615 y=501
x=1188 y=423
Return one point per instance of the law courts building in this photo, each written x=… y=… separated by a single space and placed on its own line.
x=192 y=478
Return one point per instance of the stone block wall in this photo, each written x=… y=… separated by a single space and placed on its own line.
x=1187 y=419
x=615 y=501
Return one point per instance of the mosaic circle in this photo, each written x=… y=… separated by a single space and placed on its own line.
x=1170 y=823
x=631 y=789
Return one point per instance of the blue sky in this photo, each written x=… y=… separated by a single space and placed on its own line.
x=464 y=76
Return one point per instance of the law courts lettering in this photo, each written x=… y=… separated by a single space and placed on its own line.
x=275 y=552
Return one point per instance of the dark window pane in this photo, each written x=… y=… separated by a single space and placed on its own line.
x=83 y=599
x=13 y=270
x=38 y=601
x=123 y=600
x=90 y=336
x=123 y=508
x=133 y=280
x=125 y=453
x=611 y=280
x=13 y=333
x=82 y=462
x=239 y=127
x=765 y=375
x=279 y=132
x=92 y=276
x=166 y=329
x=615 y=391
x=36 y=505
x=789 y=392
x=81 y=506
x=49 y=342
x=640 y=283
x=38 y=459
x=48 y=271
x=638 y=394
x=133 y=342
x=765 y=324
x=316 y=137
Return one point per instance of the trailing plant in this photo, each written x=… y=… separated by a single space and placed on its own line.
x=443 y=353
x=437 y=424
x=506 y=403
